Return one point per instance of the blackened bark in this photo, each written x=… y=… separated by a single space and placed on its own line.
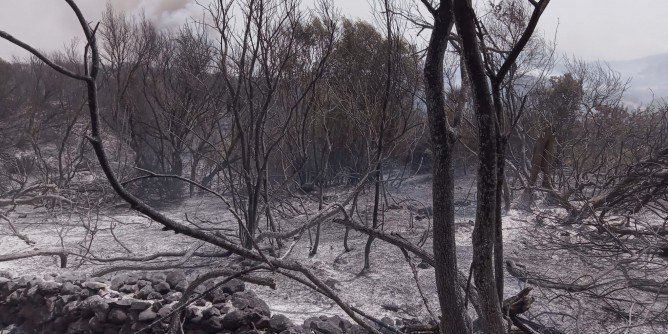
x=453 y=313
x=484 y=232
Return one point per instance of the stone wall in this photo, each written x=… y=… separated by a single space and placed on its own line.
x=128 y=303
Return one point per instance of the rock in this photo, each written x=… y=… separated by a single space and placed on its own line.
x=262 y=323
x=48 y=288
x=122 y=303
x=142 y=283
x=99 y=306
x=248 y=300
x=181 y=286
x=157 y=278
x=175 y=277
x=147 y=315
x=118 y=281
x=233 y=286
x=6 y=274
x=100 y=280
x=117 y=316
x=279 y=323
x=75 y=278
x=356 y=329
x=128 y=288
x=144 y=291
x=194 y=313
x=294 y=330
x=154 y=295
x=83 y=293
x=95 y=325
x=139 y=305
x=35 y=281
x=156 y=305
x=210 y=312
x=78 y=327
x=162 y=287
x=325 y=327
x=213 y=324
x=6 y=285
x=94 y=285
x=217 y=296
x=233 y=320
x=164 y=311
x=172 y=297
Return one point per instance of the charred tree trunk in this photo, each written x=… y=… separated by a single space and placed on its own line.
x=484 y=232
x=453 y=313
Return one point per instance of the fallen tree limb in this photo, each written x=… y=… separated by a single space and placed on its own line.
x=59 y=252
x=183 y=260
x=33 y=200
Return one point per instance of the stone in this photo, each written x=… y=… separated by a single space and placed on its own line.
x=78 y=327
x=128 y=288
x=117 y=316
x=122 y=303
x=99 y=306
x=233 y=320
x=164 y=311
x=157 y=278
x=172 y=297
x=156 y=305
x=233 y=286
x=194 y=313
x=175 y=277
x=213 y=324
x=83 y=294
x=49 y=287
x=144 y=291
x=210 y=312
x=95 y=325
x=142 y=283
x=356 y=329
x=181 y=286
x=279 y=323
x=118 y=281
x=94 y=285
x=325 y=327
x=6 y=274
x=139 y=305
x=35 y=281
x=262 y=323
x=294 y=330
x=147 y=315
x=75 y=278
x=249 y=300
x=154 y=295
x=8 y=287
x=162 y=287
x=217 y=296
x=100 y=280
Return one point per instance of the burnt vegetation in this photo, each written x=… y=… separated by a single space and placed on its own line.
x=305 y=128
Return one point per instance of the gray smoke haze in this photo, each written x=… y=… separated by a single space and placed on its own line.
x=165 y=13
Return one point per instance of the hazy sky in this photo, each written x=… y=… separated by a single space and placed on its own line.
x=591 y=29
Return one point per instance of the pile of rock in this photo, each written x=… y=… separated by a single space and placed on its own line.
x=128 y=303
x=132 y=302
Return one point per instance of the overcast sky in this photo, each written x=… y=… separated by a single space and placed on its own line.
x=592 y=29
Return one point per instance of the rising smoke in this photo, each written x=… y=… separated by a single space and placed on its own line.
x=165 y=13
